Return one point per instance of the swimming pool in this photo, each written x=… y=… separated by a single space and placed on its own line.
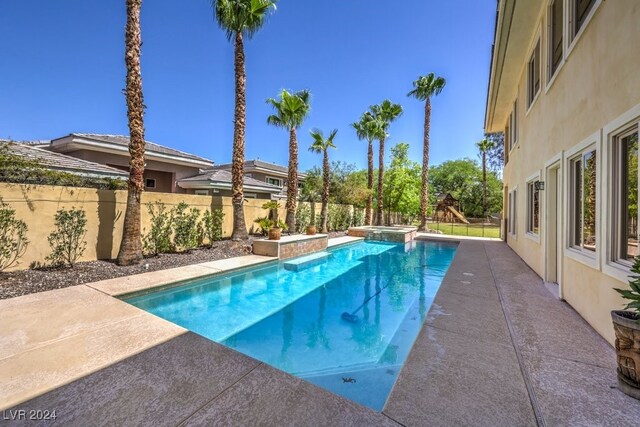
x=345 y=321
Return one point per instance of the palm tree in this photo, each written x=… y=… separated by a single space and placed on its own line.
x=484 y=147
x=369 y=129
x=239 y=19
x=423 y=89
x=386 y=112
x=321 y=145
x=291 y=110
x=131 y=245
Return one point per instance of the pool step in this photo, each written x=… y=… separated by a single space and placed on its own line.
x=307 y=261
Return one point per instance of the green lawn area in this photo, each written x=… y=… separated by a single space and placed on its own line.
x=475 y=230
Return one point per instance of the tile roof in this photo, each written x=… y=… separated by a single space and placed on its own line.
x=123 y=140
x=224 y=176
x=62 y=162
x=257 y=163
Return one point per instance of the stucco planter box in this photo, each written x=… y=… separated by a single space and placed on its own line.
x=291 y=246
x=627 y=329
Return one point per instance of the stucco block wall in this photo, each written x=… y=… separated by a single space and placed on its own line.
x=598 y=83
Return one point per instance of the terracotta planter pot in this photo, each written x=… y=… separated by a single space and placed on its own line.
x=311 y=230
x=627 y=331
x=274 y=233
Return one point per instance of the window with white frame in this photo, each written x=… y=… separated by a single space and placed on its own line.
x=201 y=192
x=555 y=35
x=579 y=11
x=582 y=200
x=507 y=137
x=533 y=74
x=274 y=181
x=533 y=207
x=624 y=196
x=513 y=212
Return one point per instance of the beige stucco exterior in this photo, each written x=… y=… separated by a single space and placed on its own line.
x=597 y=84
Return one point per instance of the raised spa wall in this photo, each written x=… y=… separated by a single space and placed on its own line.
x=385 y=234
x=291 y=246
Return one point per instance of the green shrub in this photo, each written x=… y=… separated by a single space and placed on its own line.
x=266 y=224
x=212 y=225
x=185 y=227
x=358 y=217
x=633 y=296
x=13 y=237
x=158 y=240
x=67 y=241
x=303 y=217
x=339 y=217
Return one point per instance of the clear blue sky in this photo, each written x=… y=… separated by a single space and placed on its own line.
x=63 y=71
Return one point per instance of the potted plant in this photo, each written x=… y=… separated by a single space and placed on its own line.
x=626 y=324
x=276 y=226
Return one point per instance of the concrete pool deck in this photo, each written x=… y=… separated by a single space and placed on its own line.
x=497 y=348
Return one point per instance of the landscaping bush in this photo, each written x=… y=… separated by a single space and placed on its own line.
x=185 y=227
x=67 y=241
x=339 y=217
x=358 y=217
x=13 y=237
x=303 y=217
x=212 y=225
x=158 y=240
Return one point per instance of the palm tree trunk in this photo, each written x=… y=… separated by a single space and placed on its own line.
x=424 y=196
x=484 y=184
x=131 y=245
x=368 y=211
x=380 y=182
x=325 y=191
x=292 y=185
x=239 y=122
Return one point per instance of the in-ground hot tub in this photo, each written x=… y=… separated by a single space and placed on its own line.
x=395 y=233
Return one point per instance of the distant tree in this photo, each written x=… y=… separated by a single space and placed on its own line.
x=386 y=112
x=291 y=110
x=130 y=251
x=484 y=147
x=402 y=183
x=495 y=155
x=322 y=145
x=463 y=179
x=240 y=19
x=423 y=89
x=311 y=191
x=370 y=129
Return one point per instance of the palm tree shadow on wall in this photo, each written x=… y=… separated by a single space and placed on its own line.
x=108 y=215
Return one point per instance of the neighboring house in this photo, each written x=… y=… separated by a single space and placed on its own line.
x=269 y=173
x=62 y=163
x=565 y=89
x=218 y=183
x=164 y=166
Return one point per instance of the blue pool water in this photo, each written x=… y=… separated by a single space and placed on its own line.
x=296 y=321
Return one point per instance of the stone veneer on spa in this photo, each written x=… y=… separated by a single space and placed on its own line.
x=291 y=246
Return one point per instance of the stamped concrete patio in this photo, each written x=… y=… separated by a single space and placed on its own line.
x=497 y=348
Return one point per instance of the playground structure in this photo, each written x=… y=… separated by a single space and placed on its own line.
x=448 y=210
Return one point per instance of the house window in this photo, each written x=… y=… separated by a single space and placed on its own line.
x=514 y=124
x=582 y=193
x=512 y=212
x=625 y=196
x=534 y=74
x=533 y=207
x=201 y=192
x=580 y=10
x=274 y=181
x=150 y=183
x=556 y=15
x=250 y=196
x=507 y=139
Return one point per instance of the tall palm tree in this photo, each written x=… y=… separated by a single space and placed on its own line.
x=370 y=129
x=322 y=145
x=484 y=147
x=291 y=110
x=131 y=245
x=240 y=19
x=423 y=89
x=386 y=112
